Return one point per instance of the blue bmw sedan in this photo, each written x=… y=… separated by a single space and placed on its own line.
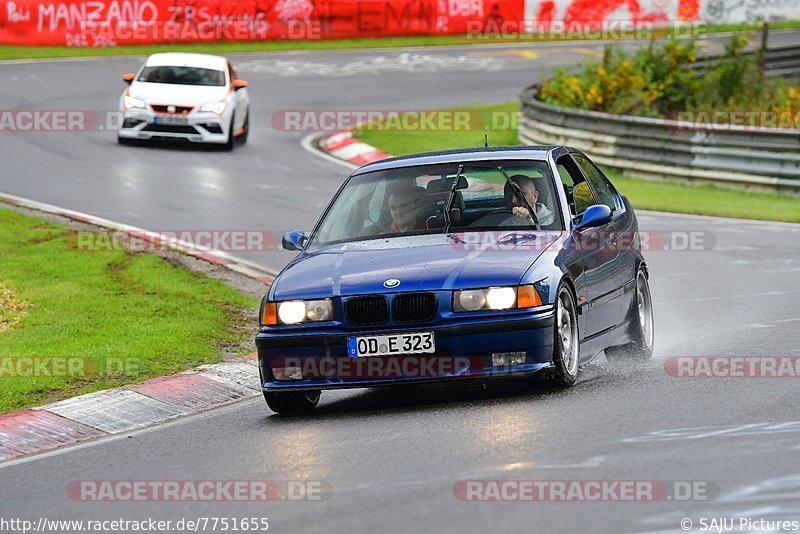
x=501 y=262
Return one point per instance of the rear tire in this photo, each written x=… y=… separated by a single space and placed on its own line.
x=640 y=324
x=566 y=343
x=292 y=402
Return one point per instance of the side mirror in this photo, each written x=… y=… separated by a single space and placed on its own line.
x=128 y=78
x=294 y=240
x=595 y=216
x=239 y=84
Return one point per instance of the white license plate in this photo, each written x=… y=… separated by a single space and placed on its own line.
x=170 y=120
x=412 y=343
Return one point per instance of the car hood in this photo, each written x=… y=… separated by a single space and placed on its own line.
x=178 y=95
x=421 y=263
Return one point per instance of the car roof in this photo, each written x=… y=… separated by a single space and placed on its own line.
x=176 y=59
x=534 y=153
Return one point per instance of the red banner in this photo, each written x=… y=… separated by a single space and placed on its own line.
x=573 y=12
x=121 y=22
x=118 y=22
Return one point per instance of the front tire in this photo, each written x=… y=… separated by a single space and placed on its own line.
x=246 y=127
x=292 y=402
x=566 y=345
x=640 y=323
x=228 y=146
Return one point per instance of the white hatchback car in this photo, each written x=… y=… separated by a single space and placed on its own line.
x=185 y=96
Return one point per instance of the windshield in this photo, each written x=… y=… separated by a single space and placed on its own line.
x=182 y=76
x=413 y=201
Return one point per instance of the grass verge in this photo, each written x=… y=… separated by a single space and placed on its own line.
x=51 y=52
x=643 y=194
x=90 y=320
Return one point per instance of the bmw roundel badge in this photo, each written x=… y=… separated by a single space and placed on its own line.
x=391 y=283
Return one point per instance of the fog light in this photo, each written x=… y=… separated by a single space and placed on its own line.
x=287 y=373
x=131 y=123
x=212 y=127
x=503 y=359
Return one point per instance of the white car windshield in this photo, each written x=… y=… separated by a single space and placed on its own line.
x=182 y=76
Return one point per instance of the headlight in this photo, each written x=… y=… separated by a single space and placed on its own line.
x=214 y=107
x=471 y=299
x=305 y=311
x=130 y=102
x=501 y=298
x=496 y=298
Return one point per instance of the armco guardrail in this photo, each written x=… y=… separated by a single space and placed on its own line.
x=767 y=159
x=784 y=61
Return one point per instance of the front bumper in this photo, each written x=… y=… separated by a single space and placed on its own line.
x=200 y=127
x=463 y=350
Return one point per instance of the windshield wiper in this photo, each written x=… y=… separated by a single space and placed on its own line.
x=518 y=192
x=452 y=198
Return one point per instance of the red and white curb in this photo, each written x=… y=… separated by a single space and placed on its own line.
x=120 y=410
x=129 y=408
x=342 y=146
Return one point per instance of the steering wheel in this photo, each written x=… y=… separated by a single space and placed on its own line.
x=505 y=211
x=493 y=218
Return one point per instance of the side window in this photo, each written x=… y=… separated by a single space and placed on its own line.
x=597 y=181
x=579 y=195
x=566 y=179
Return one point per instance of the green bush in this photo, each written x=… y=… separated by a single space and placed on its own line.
x=658 y=80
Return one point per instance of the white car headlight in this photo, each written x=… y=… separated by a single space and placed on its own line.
x=305 y=311
x=130 y=102
x=214 y=107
